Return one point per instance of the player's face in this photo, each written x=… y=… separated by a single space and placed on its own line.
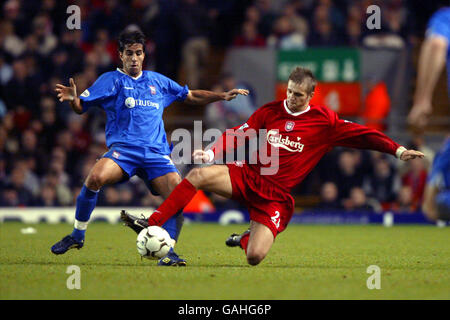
x=297 y=96
x=132 y=58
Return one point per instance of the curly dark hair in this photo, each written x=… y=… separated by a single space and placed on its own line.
x=130 y=37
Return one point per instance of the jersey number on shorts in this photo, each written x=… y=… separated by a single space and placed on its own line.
x=276 y=219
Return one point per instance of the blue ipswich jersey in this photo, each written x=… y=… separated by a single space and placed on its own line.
x=134 y=107
x=439 y=24
x=440 y=171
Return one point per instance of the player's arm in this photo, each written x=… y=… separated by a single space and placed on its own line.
x=352 y=135
x=202 y=97
x=70 y=94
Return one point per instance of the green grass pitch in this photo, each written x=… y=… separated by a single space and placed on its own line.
x=306 y=262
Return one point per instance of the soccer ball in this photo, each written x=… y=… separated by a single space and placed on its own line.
x=154 y=242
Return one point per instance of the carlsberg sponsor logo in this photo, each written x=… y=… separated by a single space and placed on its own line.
x=280 y=141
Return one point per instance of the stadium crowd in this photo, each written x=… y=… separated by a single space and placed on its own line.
x=46 y=149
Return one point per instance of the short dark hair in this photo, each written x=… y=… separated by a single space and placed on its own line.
x=131 y=37
x=300 y=75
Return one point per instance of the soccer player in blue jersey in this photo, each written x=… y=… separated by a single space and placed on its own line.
x=434 y=54
x=134 y=101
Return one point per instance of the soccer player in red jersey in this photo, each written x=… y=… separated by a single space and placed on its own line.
x=301 y=134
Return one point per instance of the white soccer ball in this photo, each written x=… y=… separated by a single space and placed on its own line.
x=154 y=242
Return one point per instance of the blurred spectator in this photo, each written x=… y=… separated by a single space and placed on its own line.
x=22 y=117
x=193 y=26
x=329 y=197
x=42 y=30
x=298 y=22
x=110 y=197
x=267 y=16
x=383 y=183
x=253 y=16
x=228 y=114
x=50 y=123
x=63 y=194
x=9 y=197
x=150 y=201
x=31 y=180
x=415 y=178
x=323 y=32
x=81 y=138
x=284 y=35
x=126 y=196
x=47 y=197
x=358 y=201
x=353 y=33
x=348 y=174
x=11 y=43
x=20 y=90
x=17 y=184
x=6 y=71
x=404 y=202
x=354 y=23
x=110 y=16
x=393 y=32
x=249 y=36
x=102 y=53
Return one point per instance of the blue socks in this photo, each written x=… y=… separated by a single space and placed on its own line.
x=86 y=202
x=173 y=225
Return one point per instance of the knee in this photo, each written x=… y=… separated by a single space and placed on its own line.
x=254 y=258
x=429 y=213
x=438 y=44
x=196 y=177
x=95 y=181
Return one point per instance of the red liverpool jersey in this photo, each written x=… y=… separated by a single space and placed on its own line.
x=301 y=139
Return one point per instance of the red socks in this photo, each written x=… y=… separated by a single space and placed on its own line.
x=244 y=242
x=177 y=200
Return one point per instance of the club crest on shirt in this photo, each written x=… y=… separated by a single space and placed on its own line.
x=289 y=125
x=116 y=154
x=152 y=89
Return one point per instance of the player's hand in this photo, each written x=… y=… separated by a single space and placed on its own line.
x=411 y=154
x=230 y=95
x=66 y=93
x=419 y=115
x=202 y=155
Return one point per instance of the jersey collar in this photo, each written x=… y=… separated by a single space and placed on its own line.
x=294 y=113
x=135 y=78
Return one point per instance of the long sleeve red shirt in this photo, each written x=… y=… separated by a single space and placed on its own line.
x=300 y=139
